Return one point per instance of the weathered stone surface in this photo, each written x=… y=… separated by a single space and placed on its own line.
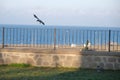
x=8 y=61
x=36 y=57
x=97 y=59
x=69 y=57
x=61 y=59
x=15 y=58
x=39 y=61
x=0 y=55
x=45 y=63
x=68 y=63
x=117 y=66
x=84 y=65
x=55 y=58
x=118 y=60
x=1 y=61
x=76 y=64
x=112 y=59
x=89 y=58
x=30 y=61
x=101 y=65
x=109 y=66
x=93 y=65
x=104 y=59
x=31 y=55
x=22 y=60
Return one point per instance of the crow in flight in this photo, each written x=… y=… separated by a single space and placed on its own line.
x=39 y=19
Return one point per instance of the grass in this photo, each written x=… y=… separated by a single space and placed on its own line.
x=37 y=73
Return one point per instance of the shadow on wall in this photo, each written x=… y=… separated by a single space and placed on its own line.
x=100 y=60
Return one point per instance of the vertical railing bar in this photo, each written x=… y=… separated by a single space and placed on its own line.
x=40 y=37
x=37 y=37
x=113 y=39
x=94 y=40
x=34 y=42
x=26 y=36
x=43 y=38
x=10 y=37
x=34 y=37
x=23 y=37
x=69 y=39
x=47 y=38
x=76 y=37
x=63 y=38
x=90 y=37
x=13 y=37
x=98 y=40
x=58 y=38
x=87 y=36
x=117 y=40
x=17 y=35
x=54 y=38
x=105 y=39
x=5 y=37
x=101 y=39
x=30 y=36
x=109 y=40
x=20 y=37
x=79 y=40
x=80 y=36
x=51 y=38
x=3 y=31
x=27 y=43
x=83 y=38
x=44 y=43
x=65 y=35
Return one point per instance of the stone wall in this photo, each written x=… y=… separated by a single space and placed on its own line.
x=63 y=58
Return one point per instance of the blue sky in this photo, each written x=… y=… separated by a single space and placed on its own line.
x=61 y=12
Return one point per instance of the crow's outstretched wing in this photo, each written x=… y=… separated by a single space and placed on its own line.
x=39 y=19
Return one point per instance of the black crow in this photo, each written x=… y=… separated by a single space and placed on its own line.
x=39 y=19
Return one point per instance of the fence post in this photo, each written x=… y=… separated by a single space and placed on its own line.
x=109 y=40
x=54 y=38
x=3 y=37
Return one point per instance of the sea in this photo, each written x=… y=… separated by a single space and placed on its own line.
x=67 y=35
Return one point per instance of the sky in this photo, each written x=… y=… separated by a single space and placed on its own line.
x=61 y=12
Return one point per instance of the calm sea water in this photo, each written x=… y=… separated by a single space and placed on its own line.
x=36 y=34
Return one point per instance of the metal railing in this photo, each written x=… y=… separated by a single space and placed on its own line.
x=54 y=38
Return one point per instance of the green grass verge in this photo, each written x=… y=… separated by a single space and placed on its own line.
x=37 y=73
x=19 y=65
